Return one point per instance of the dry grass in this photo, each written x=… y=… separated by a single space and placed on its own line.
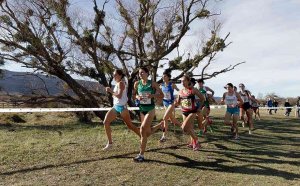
x=54 y=149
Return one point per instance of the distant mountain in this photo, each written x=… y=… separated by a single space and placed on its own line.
x=24 y=83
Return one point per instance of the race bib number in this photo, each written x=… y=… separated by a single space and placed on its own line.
x=230 y=103
x=167 y=95
x=186 y=104
x=144 y=99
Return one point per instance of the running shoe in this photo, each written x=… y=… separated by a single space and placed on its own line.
x=162 y=139
x=191 y=144
x=250 y=132
x=108 y=146
x=236 y=137
x=196 y=146
x=243 y=124
x=139 y=158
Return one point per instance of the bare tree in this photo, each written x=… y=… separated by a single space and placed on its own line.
x=47 y=36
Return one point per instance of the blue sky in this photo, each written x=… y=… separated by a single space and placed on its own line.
x=265 y=34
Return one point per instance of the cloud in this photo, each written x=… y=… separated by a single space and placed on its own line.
x=265 y=34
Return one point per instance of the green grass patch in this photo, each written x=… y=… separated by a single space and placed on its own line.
x=55 y=149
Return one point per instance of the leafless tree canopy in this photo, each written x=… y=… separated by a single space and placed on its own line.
x=50 y=36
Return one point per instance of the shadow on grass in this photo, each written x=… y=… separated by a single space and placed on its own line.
x=215 y=164
x=263 y=147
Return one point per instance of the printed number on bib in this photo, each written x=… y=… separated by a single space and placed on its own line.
x=145 y=100
x=186 y=103
x=230 y=103
x=167 y=95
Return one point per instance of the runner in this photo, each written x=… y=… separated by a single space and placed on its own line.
x=255 y=107
x=120 y=100
x=246 y=107
x=203 y=116
x=168 y=102
x=145 y=91
x=232 y=99
x=186 y=99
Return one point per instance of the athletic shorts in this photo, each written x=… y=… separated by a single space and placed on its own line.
x=119 y=108
x=254 y=109
x=234 y=110
x=144 y=109
x=189 y=112
x=246 y=106
x=197 y=105
x=207 y=106
x=167 y=103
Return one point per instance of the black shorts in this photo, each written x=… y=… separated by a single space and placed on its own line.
x=246 y=106
x=189 y=112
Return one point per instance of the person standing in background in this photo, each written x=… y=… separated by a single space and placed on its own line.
x=275 y=104
x=298 y=105
x=270 y=105
x=287 y=110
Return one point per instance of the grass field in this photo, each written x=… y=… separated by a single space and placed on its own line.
x=54 y=149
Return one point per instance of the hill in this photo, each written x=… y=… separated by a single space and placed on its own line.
x=24 y=83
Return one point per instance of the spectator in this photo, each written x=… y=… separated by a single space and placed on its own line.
x=287 y=110
x=270 y=105
x=275 y=104
x=298 y=105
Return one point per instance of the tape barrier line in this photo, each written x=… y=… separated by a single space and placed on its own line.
x=277 y=107
x=17 y=110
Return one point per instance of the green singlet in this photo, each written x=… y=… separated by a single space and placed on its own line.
x=204 y=93
x=146 y=104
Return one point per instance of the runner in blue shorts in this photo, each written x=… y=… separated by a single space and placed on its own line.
x=168 y=88
x=232 y=100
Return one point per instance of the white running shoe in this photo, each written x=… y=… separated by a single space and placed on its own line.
x=250 y=132
x=108 y=146
x=163 y=139
x=243 y=124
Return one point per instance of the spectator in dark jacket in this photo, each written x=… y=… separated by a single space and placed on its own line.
x=270 y=105
x=275 y=104
x=287 y=110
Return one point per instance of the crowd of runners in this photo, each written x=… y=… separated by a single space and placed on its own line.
x=194 y=101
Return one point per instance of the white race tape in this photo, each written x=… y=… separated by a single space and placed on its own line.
x=276 y=107
x=16 y=110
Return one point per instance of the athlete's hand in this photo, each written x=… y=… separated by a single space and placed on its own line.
x=138 y=97
x=108 y=89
